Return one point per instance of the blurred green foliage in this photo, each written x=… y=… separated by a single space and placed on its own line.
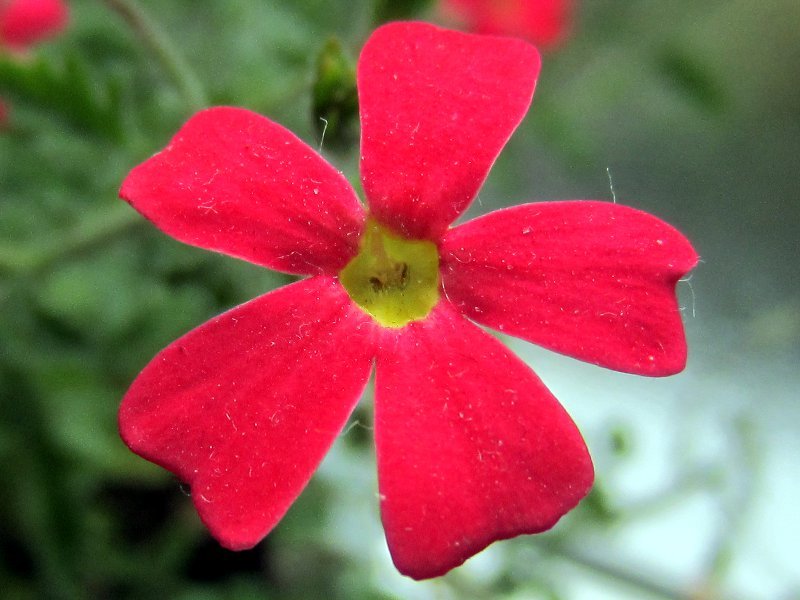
x=335 y=98
x=70 y=91
x=89 y=291
x=393 y=10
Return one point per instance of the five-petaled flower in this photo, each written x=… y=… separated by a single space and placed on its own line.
x=544 y=22
x=24 y=23
x=471 y=446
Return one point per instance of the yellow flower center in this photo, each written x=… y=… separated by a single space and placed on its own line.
x=393 y=279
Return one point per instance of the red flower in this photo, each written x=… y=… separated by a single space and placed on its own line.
x=27 y=22
x=543 y=22
x=471 y=446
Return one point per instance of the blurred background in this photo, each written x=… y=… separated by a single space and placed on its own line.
x=689 y=110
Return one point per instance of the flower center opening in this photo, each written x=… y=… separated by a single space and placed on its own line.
x=393 y=279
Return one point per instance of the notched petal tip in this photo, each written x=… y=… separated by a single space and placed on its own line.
x=592 y=280
x=429 y=566
x=437 y=107
x=472 y=447
x=241 y=410
x=233 y=181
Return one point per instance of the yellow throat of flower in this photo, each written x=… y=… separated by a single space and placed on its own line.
x=393 y=279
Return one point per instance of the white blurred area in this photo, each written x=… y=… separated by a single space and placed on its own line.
x=707 y=493
x=706 y=490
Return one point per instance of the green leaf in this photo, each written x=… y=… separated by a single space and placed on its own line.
x=693 y=79
x=68 y=91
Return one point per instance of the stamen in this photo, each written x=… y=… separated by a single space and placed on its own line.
x=394 y=279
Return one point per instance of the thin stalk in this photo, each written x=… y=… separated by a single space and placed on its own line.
x=738 y=509
x=614 y=572
x=91 y=232
x=161 y=46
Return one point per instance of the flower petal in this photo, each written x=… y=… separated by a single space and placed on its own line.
x=472 y=447
x=26 y=22
x=234 y=181
x=593 y=280
x=437 y=107
x=244 y=407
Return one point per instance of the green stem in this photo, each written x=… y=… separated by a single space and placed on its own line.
x=613 y=572
x=163 y=49
x=702 y=478
x=92 y=232
x=739 y=507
